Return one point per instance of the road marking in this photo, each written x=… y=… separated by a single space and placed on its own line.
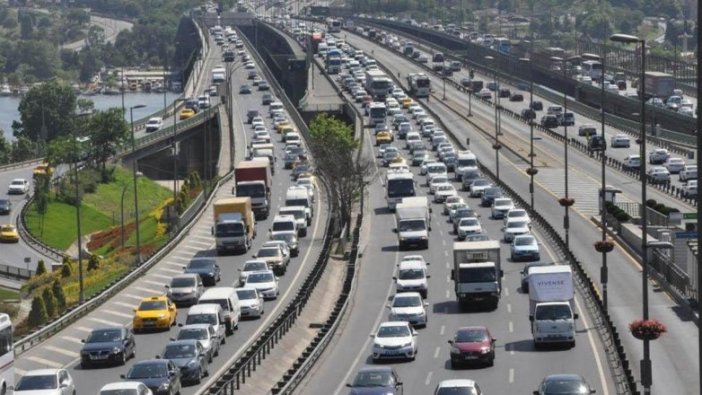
x=59 y=350
x=442 y=330
x=443 y=242
x=509 y=307
x=448 y=294
x=154 y=282
x=106 y=322
x=117 y=313
x=511 y=376
x=201 y=244
x=189 y=247
x=511 y=327
x=131 y=296
x=84 y=329
x=445 y=253
x=178 y=256
x=428 y=380
x=506 y=291
x=163 y=276
x=448 y=278
x=45 y=362
x=72 y=339
x=175 y=264
x=448 y=265
x=20 y=372
x=436 y=352
x=441 y=233
x=149 y=291
x=165 y=269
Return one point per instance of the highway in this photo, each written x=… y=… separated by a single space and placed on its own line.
x=62 y=349
x=675 y=363
x=518 y=367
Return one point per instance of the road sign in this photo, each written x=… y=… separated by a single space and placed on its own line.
x=685 y=235
x=689 y=216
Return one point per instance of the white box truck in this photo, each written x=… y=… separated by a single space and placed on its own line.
x=552 y=305
x=477 y=272
x=413 y=222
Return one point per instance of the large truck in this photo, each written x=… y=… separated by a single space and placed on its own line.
x=378 y=85
x=419 y=85
x=253 y=179
x=658 y=84
x=477 y=272
x=333 y=61
x=234 y=224
x=552 y=305
x=413 y=223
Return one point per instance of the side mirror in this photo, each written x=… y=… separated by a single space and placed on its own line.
x=348 y=385
x=426 y=304
x=450 y=342
x=166 y=286
x=123 y=376
x=82 y=340
x=531 y=318
x=180 y=325
x=399 y=384
x=428 y=263
x=172 y=339
x=414 y=333
x=157 y=357
x=135 y=310
x=372 y=335
x=212 y=231
x=253 y=256
x=394 y=278
x=452 y=274
x=394 y=230
x=494 y=340
x=536 y=392
x=428 y=275
x=502 y=273
x=575 y=316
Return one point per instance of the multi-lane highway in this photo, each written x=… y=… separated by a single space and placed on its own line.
x=62 y=350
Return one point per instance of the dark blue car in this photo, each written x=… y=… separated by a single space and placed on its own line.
x=107 y=346
x=206 y=268
x=160 y=375
x=190 y=357
x=380 y=380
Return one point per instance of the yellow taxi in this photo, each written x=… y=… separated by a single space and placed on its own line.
x=283 y=125
x=156 y=312
x=287 y=129
x=186 y=113
x=8 y=234
x=383 y=136
x=406 y=102
x=43 y=169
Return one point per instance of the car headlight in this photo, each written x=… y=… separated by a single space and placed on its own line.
x=407 y=344
x=424 y=238
x=193 y=364
x=210 y=274
x=163 y=387
x=116 y=350
x=455 y=350
x=484 y=350
x=403 y=238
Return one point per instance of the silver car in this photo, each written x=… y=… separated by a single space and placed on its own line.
x=251 y=302
x=205 y=334
x=185 y=289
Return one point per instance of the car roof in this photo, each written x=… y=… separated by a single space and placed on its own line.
x=204 y=308
x=122 y=385
x=393 y=323
x=151 y=361
x=376 y=369
x=564 y=376
x=161 y=298
x=41 y=372
x=407 y=295
x=457 y=383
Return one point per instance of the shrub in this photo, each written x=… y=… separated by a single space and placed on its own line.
x=651 y=203
x=60 y=296
x=93 y=262
x=49 y=302
x=37 y=316
x=66 y=269
x=10 y=309
x=622 y=216
x=41 y=268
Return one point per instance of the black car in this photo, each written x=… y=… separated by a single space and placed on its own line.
x=528 y=114
x=504 y=92
x=263 y=86
x=250 y=115
x=596 y=143
x=190 y=358
x=549 y=121
x=206 y=268
x=160 y=375
x=564 y=384
x=244 y=89
x=107 y=346
x=5 y=206
x=489 y=196
x=267 y=98
x=516 y=97
x=537 y=105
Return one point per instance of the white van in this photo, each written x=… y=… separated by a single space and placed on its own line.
x=283 y=223
x=292 y=138
x=300 y=214
x=228 y=300
x=209 y=313
x=412 y=276
x=274 y=107
x=299 y=196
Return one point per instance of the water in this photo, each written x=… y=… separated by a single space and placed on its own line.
x=153 y=102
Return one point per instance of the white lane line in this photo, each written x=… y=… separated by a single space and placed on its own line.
x=448 y=293
x=72 y=339
x=150 y=291
x=45 y=362
x=165 y=269
x=163 y=276
x=436 y=352
x=124 y=304
x=84 y=329
x=201 y=244
x=59 y=350
x=511 y=376
x=117 y=313
x=448 y=278
x=175 y=264
x=445 y=253
x=506 y=291
x=157 y=283
x=448 y=265
x=428 y=380
x=180 y=257
x=191 y=248
x=442 y=330
x=131 y=296
x=20 y=372
x=106 y=322
x=443 y=242
x=511 y=327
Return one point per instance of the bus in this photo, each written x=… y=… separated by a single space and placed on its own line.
x=592 y=68
x=377 y=112
x=503 y=45
x=7 y=355
x=398 y=184
x=334 y=26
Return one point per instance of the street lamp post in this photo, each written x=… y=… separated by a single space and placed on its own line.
x=134 y=176
x=81 y=291
x=496 y=147
x=646 y=369
x=566 y=218
x=531 y=132
x=173 y=147
x=121 y=212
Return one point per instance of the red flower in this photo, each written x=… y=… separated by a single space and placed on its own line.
x=647 y=329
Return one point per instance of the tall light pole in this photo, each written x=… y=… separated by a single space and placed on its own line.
x=532 y=170
x=699 y=212
x=566 y=218
x=134 y=176
x=496 y=146
x=646 y=370
x=81 y=291
x=173 y=147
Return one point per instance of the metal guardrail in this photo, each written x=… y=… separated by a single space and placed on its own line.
x=76 y=312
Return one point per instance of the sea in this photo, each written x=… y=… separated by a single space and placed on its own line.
x=153 y=102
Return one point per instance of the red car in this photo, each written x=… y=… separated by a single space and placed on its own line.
x=472 y=345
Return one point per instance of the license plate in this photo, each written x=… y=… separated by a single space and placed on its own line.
x=149 y=323
x=471 y=357
x=98 y=356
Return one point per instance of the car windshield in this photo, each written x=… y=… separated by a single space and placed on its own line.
x=200 y=264
x=502 y=202
x=553 y=312
x=283 y=226
x=468 y=222
x=174 y=351
x=254 y=266
x=246 y=294
x=471 y=336
x=411 y=274
x=516 y=224
x=43 y=382
x=104 y=336
x=457 y=391
x=410 y=301
x=259 y=278
x=201 y=319
x=19 y=182
x=516 y=214
x=152 y=305
x=126 y=391
x=481 y=183
x=565 y=387
x=524 y=241
x=147 y=370
x=477 y=275
x=268 y=252
x=182 y=282
x=393 y=331
x=374 y=379
x=192 y=334
x=412 y=225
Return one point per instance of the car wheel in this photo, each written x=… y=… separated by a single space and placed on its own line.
x=200 y=374
x=123 y=359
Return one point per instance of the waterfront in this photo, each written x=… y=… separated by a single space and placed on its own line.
x=152 y=101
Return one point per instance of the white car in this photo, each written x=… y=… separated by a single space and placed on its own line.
x=18 y=186
x=451 y=202
x=468 y=226
x=632 y=162
x=525 y=247
x=409 y=306
x=658 y=156
x=412 y=277
x=436 y=169
x=308 y=183
x=688 y=173
x=501 y=206
x=419 y=258
x=477 y=187
x=251 y=266
x=444 y=191
x=516 y=214
x=675 y=165
x=515 y=228
x=690 y=189
x=620 y=140
x=251 y=302
x=658 y=175
x=436 y=181
x=458 y=386
x=389 y=148
x=262 y=135
x=394 y=339
x=154 y=124
x=46 y=382
x=264 y=282
x=125 y=388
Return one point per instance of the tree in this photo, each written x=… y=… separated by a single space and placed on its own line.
x=37 y=315
x=59 y=294
x=108 y=130
x=41 y=268
x=93 y=262
x=66 y=268
x=333 y=147
x=49 y=301
x=52 y=105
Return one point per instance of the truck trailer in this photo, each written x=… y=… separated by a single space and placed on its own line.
x=477 y=272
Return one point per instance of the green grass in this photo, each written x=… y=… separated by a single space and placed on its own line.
x=8 y=294
x=59 y=227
